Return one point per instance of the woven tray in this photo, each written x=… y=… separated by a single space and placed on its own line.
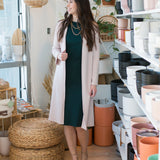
x=35 y=133
x=35 y=3
x=112 y=20
x=52 y=153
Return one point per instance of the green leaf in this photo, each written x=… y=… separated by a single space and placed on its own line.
x=94 y=8
x=115 y=49
x=98 y=2
x=111 y=13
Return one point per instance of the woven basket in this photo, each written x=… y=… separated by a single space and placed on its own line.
x=35 y=3
x=52 y=153
x=6 y=94
x=112 y=20
x=35 y=133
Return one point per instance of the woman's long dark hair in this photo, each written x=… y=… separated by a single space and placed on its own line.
x=88 y=24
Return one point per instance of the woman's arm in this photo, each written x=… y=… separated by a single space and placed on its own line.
x=56 y=50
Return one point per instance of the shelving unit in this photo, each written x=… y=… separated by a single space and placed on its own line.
x=140 y=13
x=146 y=56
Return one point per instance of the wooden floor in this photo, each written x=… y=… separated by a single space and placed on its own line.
x=94 y=153
x=97 y=153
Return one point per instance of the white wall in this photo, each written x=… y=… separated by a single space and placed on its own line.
x=41 y=43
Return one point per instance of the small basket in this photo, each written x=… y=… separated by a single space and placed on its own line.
x=52 y=153
x=112 y=20
x=35 y=133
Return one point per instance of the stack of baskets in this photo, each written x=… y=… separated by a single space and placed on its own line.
x=36 y=139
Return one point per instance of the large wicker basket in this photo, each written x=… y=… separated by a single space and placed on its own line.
x=52 y=153
x=35 y=3
x=35 y=133
x=112 y=20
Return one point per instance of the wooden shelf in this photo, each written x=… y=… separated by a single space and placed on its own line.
x=144 y=55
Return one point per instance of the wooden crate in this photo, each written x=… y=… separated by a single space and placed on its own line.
x=5 y=123
x=6 y=94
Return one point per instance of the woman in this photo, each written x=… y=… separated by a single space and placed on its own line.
x=76 y=52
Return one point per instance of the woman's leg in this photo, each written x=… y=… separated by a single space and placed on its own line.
x=70 y=134
x=83 y=137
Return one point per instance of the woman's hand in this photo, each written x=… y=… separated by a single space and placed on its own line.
x=63 y=56
x=93 y=90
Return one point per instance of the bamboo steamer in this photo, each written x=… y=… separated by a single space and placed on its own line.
x=35 y=133
x=35 y=3
x=1 y=5
x=52 y=153
x=18 y=37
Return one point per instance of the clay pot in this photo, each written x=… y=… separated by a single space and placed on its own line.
x=148 y=146
x=108 y=2
x=90 y=131
x=137 y=120
x=138 y=127
x=103 y=136
x=104 y=116
x=148 y=88
x=122 y=23
x=145 y=133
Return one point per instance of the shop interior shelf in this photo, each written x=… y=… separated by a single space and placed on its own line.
x=144 y=55
x=135 y=95
x=11 y=64
x=139 y=13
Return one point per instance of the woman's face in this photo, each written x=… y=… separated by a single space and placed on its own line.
x=72 y=7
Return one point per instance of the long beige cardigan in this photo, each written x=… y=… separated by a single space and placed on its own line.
x=89 y=73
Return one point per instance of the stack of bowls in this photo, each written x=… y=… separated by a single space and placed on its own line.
x=114 y=84
x=131 y=74
x=141 y=30
x=122 y=27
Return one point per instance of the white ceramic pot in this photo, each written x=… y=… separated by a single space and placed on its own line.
x=148 y=99
x=105 y=66
x=155 y=26
x=137 y=5
x=141 y=29
x=6 y=53
x=18 y=51
x=128 y=37
x=116 y=127
x=148 y=4
x=4 y=143
x=130 y=106
x=131 y=70
x=156 y=108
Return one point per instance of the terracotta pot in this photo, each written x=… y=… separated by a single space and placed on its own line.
x=104 y=116
x=135 y=157
x=90 y=131
x=148 y=88
x=124 y=4
x=103 y=136
x=108 y=2
x=138 y=127
x=145 y=133
x=122 y=23
x=139 y=120
x=156 y=108
x=148 y=146
x=153 y=157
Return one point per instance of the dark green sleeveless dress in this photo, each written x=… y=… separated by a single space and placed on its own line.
x=73 y=113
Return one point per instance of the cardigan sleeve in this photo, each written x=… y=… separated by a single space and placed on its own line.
x=56 y=45
x=95 y=61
